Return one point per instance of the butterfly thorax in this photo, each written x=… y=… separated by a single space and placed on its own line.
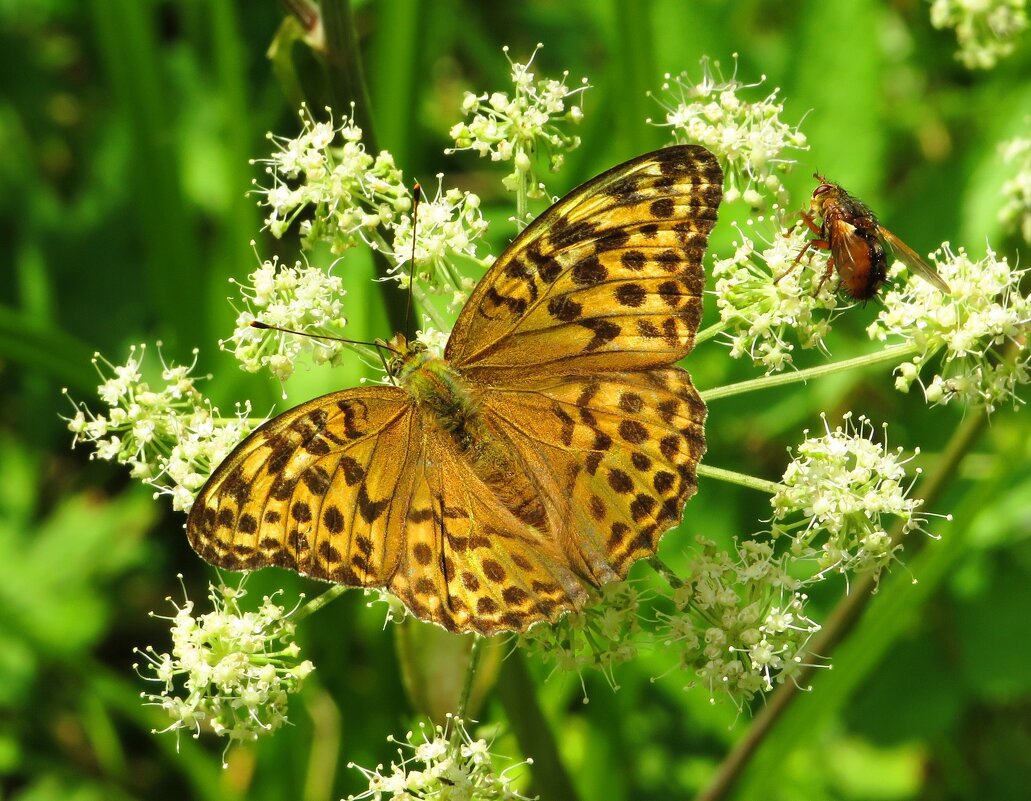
x=443 y=397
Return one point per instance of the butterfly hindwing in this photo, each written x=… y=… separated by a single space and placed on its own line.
x=608 y=277
x=622 y=449
x=469 y=563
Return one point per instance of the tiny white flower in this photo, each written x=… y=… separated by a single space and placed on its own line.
x=980 y=329
x=748 y=137
x=519 y=127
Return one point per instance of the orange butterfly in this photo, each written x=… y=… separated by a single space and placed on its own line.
x=549 y=449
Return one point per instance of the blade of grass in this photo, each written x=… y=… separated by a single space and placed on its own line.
x=170 y=258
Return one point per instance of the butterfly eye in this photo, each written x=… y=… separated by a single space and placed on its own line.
x=394 y=366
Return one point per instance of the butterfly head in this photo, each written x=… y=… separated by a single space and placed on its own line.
x=406 y=357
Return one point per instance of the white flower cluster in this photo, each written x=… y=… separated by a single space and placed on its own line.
x=1016 y=213
x=448 y=225
x=443 y=764
x=326 y=168
x=517 y=128
x=749 y=138
x=599 y=636
x=844 y=485
x=764 y=297
x=230 y=671
x=982 y=328
x=301 y=298
x=986 y=30
x=739 y=623
x=171 y=437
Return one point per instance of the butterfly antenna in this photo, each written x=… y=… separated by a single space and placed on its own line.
x=266 y=327
x=416 y=197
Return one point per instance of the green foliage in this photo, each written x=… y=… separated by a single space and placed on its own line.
x=127 y=128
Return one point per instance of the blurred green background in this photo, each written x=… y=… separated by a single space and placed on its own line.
x=126 y=127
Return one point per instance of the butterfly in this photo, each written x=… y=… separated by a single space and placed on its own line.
x=548 y=450
x=856 y=240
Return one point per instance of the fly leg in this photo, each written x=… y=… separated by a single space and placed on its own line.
x=826 y=275
x=823 y=244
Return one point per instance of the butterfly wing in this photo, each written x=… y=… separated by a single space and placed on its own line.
x=610 y=275
x=469 y=563
x=313 y=490
x=618 y=451
x=356 y=487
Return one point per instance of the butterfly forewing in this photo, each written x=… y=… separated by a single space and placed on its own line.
x=315 y=489
x=610 y=277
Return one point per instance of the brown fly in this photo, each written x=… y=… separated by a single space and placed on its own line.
x=857 y=242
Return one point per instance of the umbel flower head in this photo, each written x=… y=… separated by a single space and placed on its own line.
x=838 y=494
x=169 y=435
x=602 y=635
x=738 y=625
x=444 y=763
x=230 y=671
x=516 y=128
x=749 y=137
x=981 y=329
x=326 y=169
x=302 y=298
x=766 y=299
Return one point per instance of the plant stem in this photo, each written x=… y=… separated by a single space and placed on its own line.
x=889 y=354
x=708 y=332
x=741 y=479
x=347 y=84
x=319 y=601
x=839 y=624
x=470 y=674
x=518 y=696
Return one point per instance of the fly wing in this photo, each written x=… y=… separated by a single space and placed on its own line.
x=909 y=257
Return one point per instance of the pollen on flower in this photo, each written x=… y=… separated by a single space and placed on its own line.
x=749 y=137
x=738 y=624
x=515 y=128
x=444 y=762
x=980 y=329
x=302 y=298
x=766 y=299
x=168 y=433
x=839 y=494
x=230 y=671
x=986 y=30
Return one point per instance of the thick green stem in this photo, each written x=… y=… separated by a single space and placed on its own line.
x=839 y=624
x=518 y=696
x=894 y=353
x=347 y=82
